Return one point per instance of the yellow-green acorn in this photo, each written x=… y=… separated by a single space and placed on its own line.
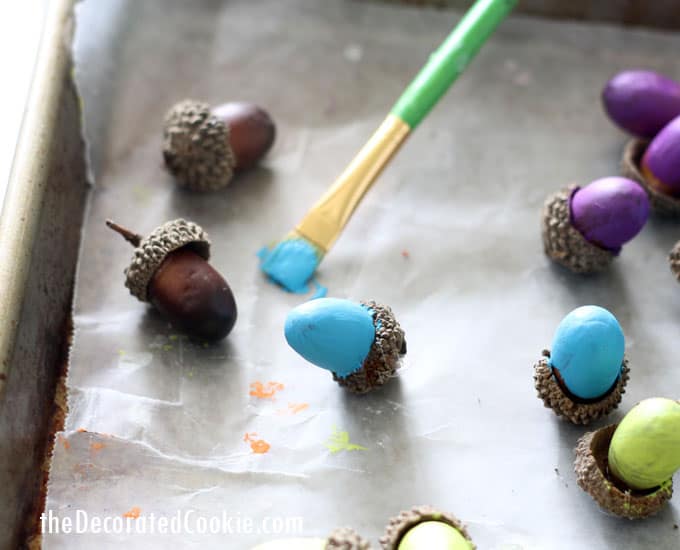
x=424 y=527
x=645 y=450
x=343 y=538
x=628 y=468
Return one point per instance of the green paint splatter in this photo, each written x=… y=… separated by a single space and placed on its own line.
x=339 y=441
x=141 y=194
x=168 y=347
x=173 y=337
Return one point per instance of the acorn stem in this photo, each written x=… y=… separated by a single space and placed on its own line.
x=133 y=238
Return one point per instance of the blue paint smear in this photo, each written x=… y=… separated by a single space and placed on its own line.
x=587 y=350
x=291 y=264
x=320 y=291
x=334 y=334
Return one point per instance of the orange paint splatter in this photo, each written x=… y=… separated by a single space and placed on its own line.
x=258 y=446
x=406 y=254
x=64 y=442
x=133 y=512
x=265 y=391
x=293 y=408
x=96 y=446
x=81 y=430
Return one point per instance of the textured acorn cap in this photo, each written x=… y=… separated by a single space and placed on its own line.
x=563 y=242
x=345 y=538
x=674 y=260
x=151 y=252
x=661 y=203
x=575 y=410
x=399 y=525
x=196 y=147
x=382 y=360
x=591 y=467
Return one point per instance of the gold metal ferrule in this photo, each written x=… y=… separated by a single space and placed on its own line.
x=327 y=218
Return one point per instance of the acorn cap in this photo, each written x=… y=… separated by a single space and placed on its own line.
x=577 y=411
x=563 y=242
x=399 y=525
x=661 y=203
x=382 y=360
x=345 y=538
x=196 y=146
x=674 y=260
x=591 y=467
x=152 y=250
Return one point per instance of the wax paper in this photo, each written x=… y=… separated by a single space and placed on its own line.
x=449 y=237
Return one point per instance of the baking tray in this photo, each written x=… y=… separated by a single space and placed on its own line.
x=449 y=238
x=39 y=239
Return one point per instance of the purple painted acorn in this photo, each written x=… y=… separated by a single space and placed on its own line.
x=660 y=164
x=610 y=211
x=585 y=228
x=641 y=102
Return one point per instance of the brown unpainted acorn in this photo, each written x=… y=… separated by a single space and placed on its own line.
x=170 y=270
x=203 y=147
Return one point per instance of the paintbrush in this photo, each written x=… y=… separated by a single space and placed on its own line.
x=292 y=261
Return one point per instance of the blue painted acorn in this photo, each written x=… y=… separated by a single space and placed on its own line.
x=584 y=376
x=360 y=343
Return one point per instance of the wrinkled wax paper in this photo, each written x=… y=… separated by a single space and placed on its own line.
x=448 y=237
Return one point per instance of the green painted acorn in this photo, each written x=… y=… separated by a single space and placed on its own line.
x=343 y=538
x=424 y=527
x=645 y=450
x=628 y=469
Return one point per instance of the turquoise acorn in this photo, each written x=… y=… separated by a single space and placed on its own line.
x=584 y=375
x=628 y=468
x=360 y=343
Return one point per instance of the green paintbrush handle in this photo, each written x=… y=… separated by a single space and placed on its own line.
x=450 y=59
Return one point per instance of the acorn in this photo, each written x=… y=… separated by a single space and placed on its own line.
x=170 y=270
x=656 y=165
x=341 y=539
x=204 y=146
x=584 y=229
x=585 y=376
x=674 y=260
x=641 y=102
x=425 y=527
x=628 y=468
x=360 y=343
